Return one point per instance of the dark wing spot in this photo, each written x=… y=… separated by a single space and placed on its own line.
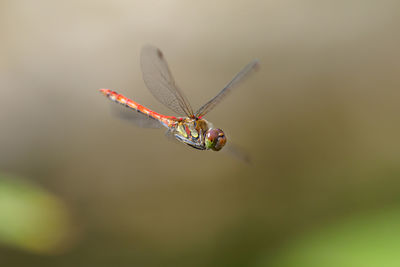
x=159 y=53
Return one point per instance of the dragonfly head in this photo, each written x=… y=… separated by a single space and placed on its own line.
x=215 y=139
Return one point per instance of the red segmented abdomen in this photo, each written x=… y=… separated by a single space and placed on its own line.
x=114 y=96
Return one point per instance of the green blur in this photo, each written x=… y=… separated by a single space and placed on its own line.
x=31 y=218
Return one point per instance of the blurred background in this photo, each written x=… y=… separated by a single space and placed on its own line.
x=320 y=119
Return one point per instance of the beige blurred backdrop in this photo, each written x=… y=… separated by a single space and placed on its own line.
x=320 y=120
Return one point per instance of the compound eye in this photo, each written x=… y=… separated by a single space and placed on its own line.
x=215 y=139
x=221 y=141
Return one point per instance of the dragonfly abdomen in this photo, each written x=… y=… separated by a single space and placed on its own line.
x=167 y=121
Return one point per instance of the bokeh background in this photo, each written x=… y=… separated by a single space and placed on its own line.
x=320 y=120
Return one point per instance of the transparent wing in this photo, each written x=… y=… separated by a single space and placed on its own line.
x=244 y=73
x=159 y=81
x=237 y=152
x=133 y=116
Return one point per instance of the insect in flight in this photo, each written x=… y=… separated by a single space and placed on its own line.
x=189 y=127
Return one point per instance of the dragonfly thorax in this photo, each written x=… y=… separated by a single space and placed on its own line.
x=199 y=133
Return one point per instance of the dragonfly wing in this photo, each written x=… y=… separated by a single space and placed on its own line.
x=244 y=73
x=159 y=81
x=135 y=117
x=237 y=152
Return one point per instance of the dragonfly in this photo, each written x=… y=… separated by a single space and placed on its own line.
x=188 y=127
